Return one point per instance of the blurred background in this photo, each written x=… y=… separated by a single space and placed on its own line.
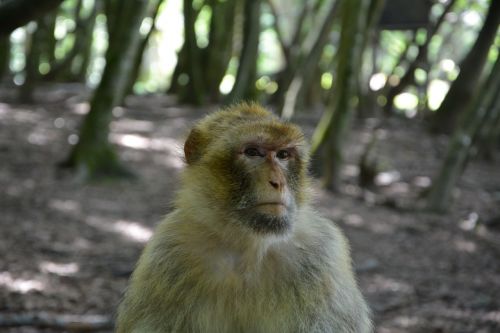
x=400 y=100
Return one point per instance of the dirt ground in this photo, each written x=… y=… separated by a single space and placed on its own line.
x=68 y=247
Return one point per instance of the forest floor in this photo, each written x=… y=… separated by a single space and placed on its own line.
x=68 y=247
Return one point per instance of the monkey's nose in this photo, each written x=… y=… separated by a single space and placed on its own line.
x=274 y=184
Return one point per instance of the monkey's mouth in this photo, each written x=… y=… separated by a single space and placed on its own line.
x=271 y=203
x=272 y=207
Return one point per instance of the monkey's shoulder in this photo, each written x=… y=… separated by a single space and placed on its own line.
x=316 y=230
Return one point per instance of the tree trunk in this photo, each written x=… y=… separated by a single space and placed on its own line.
x=62 y=69
x=31 y=73
x=45 y=36
x=306 y=68
x=409 y=42
x=440 y=193
x=490 y=130
x=408 y=77
x=332 y=129
x=194 y=92
x=176 y=85
x=139 y=54
x=86 y=45
x=368 y=98
x=471 y=68
x=40 y=50
x=301 y=51
x=112 y=10
x=93 y=156
x=4 y=55
x=291 y=51
x=279 y=34
x=218 y=52
x=16 y=13
x=244 y=86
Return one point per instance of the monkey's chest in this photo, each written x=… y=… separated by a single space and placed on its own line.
x=266 y=298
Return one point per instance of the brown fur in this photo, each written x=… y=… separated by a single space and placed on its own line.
x=211 y=268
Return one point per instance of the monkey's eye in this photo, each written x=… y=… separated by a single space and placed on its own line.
x=252 y=152
x=283 y=154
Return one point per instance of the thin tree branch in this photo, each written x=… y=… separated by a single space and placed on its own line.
x=284 y=47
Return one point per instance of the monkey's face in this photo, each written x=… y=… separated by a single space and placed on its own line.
x=265 y=178
x=264 y=199
x=250 y=166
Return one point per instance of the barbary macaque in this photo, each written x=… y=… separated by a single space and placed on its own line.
x=243 y=251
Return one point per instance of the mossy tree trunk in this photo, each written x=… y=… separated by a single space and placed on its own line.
x=329 y=136
x=371 y=37
x=463 y=88
x=194 y=92
x=31 y=75
x=244 y=85
x=16 y=13
x=112 y=10
x=74 y=65
x=218 y=52
x=85 y=49
x=40 y=49
x=178 y=84
x=408 y=77
x=489 y=136
x=293 y=89
x=143 y=44
x=402 y=59
x=212 y=61
x=297 y=52
x=439 y=196
x=93 y=156
x=4 y=56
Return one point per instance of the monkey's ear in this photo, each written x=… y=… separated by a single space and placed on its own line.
x=194 y=145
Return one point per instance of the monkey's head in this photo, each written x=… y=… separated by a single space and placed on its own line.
x=249 y=165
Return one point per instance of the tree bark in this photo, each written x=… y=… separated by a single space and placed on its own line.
x=4 y=56
x=139 y=54
x=293 y=50
x=16 y=13
x=409 y=42
x=279 y=34
x=86 y=45
x=218 y=52
x=297 y=54
x=61 y=70
x=112 y=10
x=195 y=90
x=306 y=68
x=471 y=68
x=31 y=74
x=180 y=68
x=176 y=86
x=329 y=136
x=440 y=194
x=93 y=156
x=244 y=86
x=408 y=77
x=489 y=134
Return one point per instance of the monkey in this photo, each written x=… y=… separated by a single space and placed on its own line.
x=242 y=250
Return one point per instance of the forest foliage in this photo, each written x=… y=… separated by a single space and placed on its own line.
x=433 y=62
